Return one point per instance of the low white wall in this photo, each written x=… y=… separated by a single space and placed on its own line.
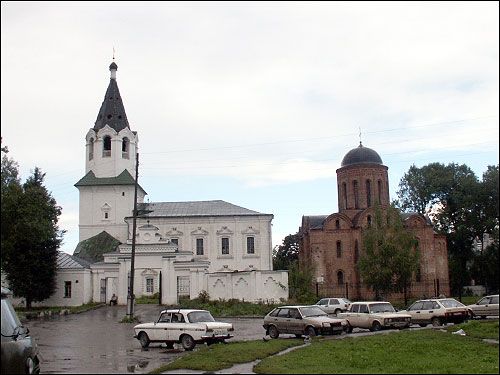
x=251 y=286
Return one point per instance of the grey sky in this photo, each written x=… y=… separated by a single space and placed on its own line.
x=252 y=103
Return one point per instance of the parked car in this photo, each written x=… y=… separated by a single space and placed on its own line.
x=20 y=353
x=486 y=306
x=437 y=311
x=374 y=315
x=302 y=320
x=185 y=326
x=333 y=305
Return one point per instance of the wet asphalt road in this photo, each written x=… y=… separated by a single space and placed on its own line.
x=96 y=342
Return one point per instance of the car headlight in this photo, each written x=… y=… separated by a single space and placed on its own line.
x=326 y=324
x=388 y=320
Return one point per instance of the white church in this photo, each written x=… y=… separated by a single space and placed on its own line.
x=181 y=248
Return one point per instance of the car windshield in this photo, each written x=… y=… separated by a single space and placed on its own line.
x=381 y=307
x=200 y=316
x=312 y=311
x=10 y=322
x=451 y=303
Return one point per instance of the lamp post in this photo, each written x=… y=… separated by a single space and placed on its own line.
x=130 y=296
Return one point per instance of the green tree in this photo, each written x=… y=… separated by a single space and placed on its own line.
x=286 y=254
x=390 y=255
x=30 y=236
x=300 y=281
x=460 y=206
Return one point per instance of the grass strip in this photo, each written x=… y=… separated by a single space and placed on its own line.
x=220 y=356
x=413 y=352
x=481 y=329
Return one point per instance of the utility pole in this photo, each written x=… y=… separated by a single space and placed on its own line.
x=131 y=296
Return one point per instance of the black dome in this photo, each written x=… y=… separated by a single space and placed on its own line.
x=113 y=66
x=361 y=155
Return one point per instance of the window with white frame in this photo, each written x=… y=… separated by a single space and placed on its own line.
x=225 y=245
x=149 y=285
x=250 y=245
x=199 y=246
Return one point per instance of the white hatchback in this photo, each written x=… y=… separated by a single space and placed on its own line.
x=333 y=305
x=185 y=326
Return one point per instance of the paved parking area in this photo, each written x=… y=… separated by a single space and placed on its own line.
x=96 y=342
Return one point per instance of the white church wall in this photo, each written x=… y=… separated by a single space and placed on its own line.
x=96 y=202
x=117 y=161
x=80 y=289
x=253 y=286
x=212 y=229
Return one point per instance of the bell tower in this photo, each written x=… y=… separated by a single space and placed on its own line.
x=107 y=189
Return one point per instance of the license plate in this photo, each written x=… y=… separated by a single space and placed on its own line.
x=219 y=332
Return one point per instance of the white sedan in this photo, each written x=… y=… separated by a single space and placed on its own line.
x=185 y=326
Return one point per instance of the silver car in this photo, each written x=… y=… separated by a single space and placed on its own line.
x=437 y=311
x=333 y=305
x=486 y=306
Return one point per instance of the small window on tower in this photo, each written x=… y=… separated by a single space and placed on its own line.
x=91 y=148
x=123 y=193
x=125 y=148
x=106 y=215
x=106 y=150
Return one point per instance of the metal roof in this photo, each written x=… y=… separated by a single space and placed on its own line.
x=361 y=155
x=195 y=208
x=124 y=178
x=112 y=110
x=66 y=261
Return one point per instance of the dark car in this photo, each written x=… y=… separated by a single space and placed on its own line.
x=19 y=351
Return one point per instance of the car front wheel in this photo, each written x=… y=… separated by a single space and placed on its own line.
x=188 y=342
x=144 y=339
x=273 y=332
x=310 y=331
x=337 y=311
x=376 y=327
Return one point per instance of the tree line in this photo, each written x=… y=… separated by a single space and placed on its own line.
x=30 y=236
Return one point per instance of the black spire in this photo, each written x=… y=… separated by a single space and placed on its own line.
x=112 y=111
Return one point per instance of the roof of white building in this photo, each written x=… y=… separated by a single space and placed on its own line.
x=197 y=208
x=67 y=261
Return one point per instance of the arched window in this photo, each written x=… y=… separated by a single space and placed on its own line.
x=125 y=148
x=106 y=149
x=337 y=224
x=340 y=277
x=356 y=198
x=356 y=251
x=344 y=194
x=369 y=221
x=368 y=193
x=339 y=249
x=418 y=275
x=379 y=183
x=91 y=148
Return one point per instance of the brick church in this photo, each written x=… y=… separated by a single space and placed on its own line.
x=332 y=244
